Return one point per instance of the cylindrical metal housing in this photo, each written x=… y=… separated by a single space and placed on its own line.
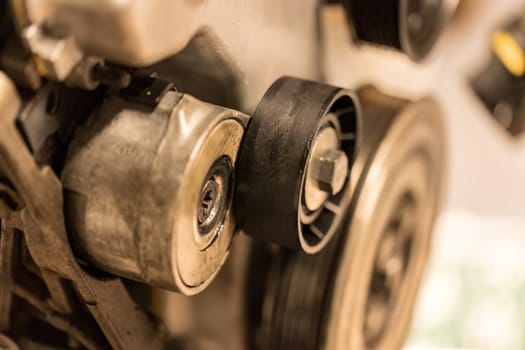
x=148 y=194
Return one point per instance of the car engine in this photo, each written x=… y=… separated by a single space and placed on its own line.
x=178 y=174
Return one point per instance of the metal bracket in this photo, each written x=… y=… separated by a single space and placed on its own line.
x=124 y=324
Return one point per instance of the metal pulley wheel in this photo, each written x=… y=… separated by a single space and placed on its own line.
x=410 y=26
x=148 y=194
x=359 y=292
x=294 y=165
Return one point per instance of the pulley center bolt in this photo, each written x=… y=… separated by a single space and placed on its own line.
x=330 y=171
x=208 y=201
x=327 y=169
x=214 y=196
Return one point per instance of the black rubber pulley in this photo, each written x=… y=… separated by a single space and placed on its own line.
x=409 y=26
x=294 y=164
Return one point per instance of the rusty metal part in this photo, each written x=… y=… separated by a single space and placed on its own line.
x=123 y=323
x=149 y=193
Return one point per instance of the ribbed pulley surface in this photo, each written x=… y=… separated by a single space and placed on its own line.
x=294 y=165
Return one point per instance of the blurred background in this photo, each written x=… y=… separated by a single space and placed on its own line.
x=474 y=294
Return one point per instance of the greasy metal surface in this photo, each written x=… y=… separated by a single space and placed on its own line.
x=133 y=181
x=124 y=324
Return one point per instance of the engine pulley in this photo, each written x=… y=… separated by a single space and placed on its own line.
x=294 y=165
x=359 y=292
x=410 y=26
x=148 y=194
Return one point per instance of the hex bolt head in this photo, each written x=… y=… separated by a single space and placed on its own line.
x=331 y=170
x=58 y=56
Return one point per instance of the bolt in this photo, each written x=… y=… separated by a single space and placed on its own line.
x=208 y=201
x=57 y=56
x=331 y=169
